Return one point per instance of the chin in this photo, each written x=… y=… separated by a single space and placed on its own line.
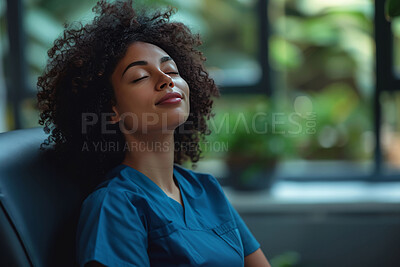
x=166 y=123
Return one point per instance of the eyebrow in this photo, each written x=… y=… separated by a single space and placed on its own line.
x=143 y=63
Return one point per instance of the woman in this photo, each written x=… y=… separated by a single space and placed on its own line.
x=127 y=95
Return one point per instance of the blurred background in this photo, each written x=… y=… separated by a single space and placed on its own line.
x=306 y=133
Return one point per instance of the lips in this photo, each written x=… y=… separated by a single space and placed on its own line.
x=170 y=98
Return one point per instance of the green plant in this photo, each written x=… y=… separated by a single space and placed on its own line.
x=251 y=128
x=255 y=135
x=342 y=119
x=392 y=9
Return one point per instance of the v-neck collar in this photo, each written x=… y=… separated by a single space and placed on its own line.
x=160 y=192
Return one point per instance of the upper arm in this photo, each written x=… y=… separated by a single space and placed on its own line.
x=111 y=232
x=256 y=259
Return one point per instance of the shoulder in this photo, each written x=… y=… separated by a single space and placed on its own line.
x=116 y=193
x=111 y=206
x=112 y=221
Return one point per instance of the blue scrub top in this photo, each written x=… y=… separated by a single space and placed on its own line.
x=129 y=221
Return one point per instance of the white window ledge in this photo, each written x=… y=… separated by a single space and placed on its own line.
x=350 y=197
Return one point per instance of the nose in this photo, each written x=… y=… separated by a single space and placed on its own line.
x=165 y=82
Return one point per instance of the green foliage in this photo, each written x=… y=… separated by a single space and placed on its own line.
x=325 y=50
x=287 y=259
x=392 y=9
x=251 y=126
x=329 y=124
x=342 y=121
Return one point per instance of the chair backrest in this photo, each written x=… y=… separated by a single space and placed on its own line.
x=39 y=204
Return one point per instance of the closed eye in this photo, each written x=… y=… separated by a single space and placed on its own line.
x=141 y=78
x=173 y=73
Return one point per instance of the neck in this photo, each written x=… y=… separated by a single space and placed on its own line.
x=153 y=155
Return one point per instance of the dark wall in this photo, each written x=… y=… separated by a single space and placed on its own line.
x=330 y=239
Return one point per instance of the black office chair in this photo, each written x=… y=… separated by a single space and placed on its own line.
x=39 y=203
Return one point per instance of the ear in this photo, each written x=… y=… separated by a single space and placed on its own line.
x=115 y=118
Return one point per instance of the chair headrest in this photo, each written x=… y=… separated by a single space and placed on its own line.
x=41 y=200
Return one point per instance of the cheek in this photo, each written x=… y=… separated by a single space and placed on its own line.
x=187 y=91
x=134 y=101
x=185 y=88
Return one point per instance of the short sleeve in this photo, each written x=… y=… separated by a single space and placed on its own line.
x=250 y=244
x=111 y=231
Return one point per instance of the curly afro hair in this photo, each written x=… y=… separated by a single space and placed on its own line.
x=77 y=77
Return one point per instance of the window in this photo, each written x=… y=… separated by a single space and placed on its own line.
x=310 y=66
x=322 y=55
